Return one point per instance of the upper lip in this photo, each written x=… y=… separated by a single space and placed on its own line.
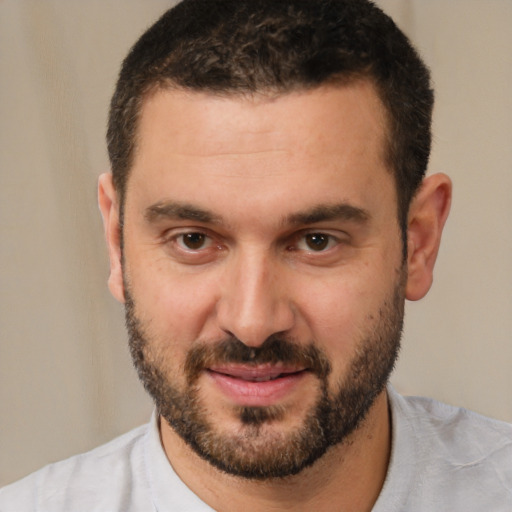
x=254 y=373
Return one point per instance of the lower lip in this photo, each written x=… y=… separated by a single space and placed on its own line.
x=257 y=394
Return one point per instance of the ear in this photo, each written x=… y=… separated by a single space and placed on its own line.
x=427 y=215
x=109 y=207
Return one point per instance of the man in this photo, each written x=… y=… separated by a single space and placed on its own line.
x=266 y=217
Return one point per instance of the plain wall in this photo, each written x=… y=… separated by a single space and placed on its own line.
x=66 y=381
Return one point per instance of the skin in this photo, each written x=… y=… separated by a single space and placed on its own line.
x=258 y=165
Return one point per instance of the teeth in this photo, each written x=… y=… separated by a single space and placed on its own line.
x=264 y=379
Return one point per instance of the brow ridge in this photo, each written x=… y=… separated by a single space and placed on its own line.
x=328 y=212
x=179 y=211
x=323 y=212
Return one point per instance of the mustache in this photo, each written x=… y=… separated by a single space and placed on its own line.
x=275 y=349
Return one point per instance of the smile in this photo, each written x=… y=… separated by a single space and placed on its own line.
x=256 y=386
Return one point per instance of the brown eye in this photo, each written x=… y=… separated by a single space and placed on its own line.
x=317 y=241
x=194 y=241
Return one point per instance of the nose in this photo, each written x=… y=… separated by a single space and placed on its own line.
x=254 y=303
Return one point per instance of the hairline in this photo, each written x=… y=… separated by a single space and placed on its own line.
x=337 y=80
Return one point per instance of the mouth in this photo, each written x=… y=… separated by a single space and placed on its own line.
x=256 y=386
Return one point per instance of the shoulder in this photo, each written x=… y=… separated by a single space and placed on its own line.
x=453 y=457
x=105 y=473
x=455 y=427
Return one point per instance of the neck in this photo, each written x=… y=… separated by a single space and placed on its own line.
x=349 y=476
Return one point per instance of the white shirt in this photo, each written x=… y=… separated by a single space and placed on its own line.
x=443 y=459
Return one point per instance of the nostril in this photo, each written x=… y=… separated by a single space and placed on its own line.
x=254 y=317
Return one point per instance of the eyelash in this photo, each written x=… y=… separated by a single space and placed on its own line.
x=326 y=241
x=191 y=234
x=330 y=241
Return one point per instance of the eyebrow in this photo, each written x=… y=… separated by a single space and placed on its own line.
x=174 y=210
x=179 y=211
x=327 y=212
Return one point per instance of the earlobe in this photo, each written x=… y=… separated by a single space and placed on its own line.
x=427 y=216
x=109 y=207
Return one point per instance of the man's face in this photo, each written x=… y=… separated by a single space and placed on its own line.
x=263 y=270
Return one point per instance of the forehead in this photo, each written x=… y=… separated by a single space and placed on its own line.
x=239 y=116
x=330 y=140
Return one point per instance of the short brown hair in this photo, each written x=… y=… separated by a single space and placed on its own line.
x=277 y=46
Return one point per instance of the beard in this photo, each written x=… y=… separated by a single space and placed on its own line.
x=259 y=450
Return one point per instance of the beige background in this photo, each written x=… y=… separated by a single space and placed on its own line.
x=66 y=382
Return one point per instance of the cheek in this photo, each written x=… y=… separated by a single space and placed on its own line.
x=181 y=307
x=175 y=304
x=341 y=312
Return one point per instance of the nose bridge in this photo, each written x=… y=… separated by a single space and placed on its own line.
x=254 y=304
